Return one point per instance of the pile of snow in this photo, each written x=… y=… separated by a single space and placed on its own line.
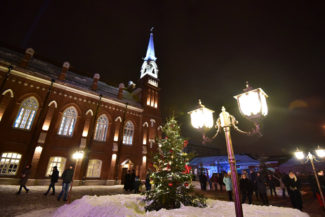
x=132 y=205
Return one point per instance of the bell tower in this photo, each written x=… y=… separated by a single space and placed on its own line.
x=149 y=77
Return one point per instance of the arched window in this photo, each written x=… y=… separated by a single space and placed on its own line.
x=101 y=128
x=68 y=121
x=9 y=163
x=26 y=114
x=59 y=162
x=128 y=133
x=94 y=168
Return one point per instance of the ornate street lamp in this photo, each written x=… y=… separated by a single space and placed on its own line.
x=202 y=117
x=252 y=105
x=77 y=156
x=310 y=157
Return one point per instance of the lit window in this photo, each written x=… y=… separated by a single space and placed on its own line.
x=128 y=133
x=56 y=161
x=94 y=168
x=9 y=163
x=101 y=128
x=26 y=114
x=68 y=121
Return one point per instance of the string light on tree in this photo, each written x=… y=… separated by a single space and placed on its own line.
x=170 y=174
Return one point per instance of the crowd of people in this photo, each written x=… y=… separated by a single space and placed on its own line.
x=257 y=184
x=133 y=183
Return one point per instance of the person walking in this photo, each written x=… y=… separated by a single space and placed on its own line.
x=227 y=181
x=294 y=186
x=246 y=188
x=261 y=188
x=54 y=179
x=24 y=178
x=67 y=177
x=271 y=184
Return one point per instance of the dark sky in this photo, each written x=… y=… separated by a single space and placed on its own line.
x=205 y=49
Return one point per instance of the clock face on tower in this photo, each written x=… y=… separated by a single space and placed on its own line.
x=149 y=68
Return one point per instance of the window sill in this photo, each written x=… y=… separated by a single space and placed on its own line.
x=22 y=129
x=64 y=136
x=127 y=144
x=99 y=141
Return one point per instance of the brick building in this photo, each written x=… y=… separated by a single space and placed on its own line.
x=47 y=113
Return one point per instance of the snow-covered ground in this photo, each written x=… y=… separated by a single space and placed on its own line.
x=132 y=205
x=12 y=204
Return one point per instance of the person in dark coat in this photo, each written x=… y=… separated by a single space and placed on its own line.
x=220 y=181
x=271 y=183
x=137 y=184
x=294 y=186
x=313 y=184
x=214 y=180
x=253 y=177
x=203 y=182
x=132 y=180
x=148 y=185
x=54 y=179
x=261 y=188
x=246 y=189
x=23 y=179
x=67 y=177
x=127 y=181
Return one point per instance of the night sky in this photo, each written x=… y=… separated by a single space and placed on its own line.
x=205 y=49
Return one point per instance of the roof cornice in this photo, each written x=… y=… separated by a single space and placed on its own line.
x=65 y=87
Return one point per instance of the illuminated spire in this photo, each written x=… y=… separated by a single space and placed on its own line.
x=151 y=49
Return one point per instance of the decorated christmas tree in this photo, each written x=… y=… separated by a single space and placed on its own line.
x=171 y=177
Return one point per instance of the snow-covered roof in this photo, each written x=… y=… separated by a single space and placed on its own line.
x=50 y=71
x=223 y=159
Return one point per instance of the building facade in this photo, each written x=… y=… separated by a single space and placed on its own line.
x=47 y=113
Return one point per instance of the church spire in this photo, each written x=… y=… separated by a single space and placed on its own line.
x=150 y=55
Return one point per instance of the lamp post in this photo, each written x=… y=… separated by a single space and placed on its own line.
x=310 y=157
x=78 y=155
x=252 y=105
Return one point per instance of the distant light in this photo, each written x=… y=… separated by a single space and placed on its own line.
x=299 y=155
x=144 y=159
x=114 y=157
x=320 y=152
